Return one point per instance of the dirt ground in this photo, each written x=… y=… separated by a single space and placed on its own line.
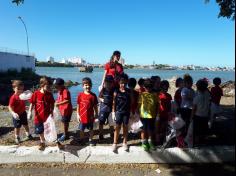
x=59 y=169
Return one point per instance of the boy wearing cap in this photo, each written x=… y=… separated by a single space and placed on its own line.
x=64 y=105
x=106 y=98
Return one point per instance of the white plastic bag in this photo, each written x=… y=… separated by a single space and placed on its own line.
x=50 y=132
x=177 y=122
x=56 y=114
x=26 y=95
x=96 y=124
x=111 y=120
x=135 y=123
x=189 y=138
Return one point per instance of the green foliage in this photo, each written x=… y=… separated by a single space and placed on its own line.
x=49 y=64
x=227 y=8
x=18 y=1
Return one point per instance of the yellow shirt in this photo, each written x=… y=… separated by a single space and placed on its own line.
x=148 y=105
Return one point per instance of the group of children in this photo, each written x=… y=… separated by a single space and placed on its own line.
x=151 y=103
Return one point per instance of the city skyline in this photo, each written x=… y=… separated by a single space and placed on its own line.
x=174 y=33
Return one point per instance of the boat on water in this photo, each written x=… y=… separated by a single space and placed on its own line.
x=88 y=69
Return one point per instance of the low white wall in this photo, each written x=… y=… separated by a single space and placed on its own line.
x=16 y=61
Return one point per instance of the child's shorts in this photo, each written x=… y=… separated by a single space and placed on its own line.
x=103 y=117
x=122 y=118
x=39 y=128
x=148 y=124
x=83 y=126
x=65 y=119
x=22 y=120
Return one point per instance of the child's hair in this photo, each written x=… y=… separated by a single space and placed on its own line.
x=132 y=83
x=164 y=84
x=141 y=81
x=155 y=78
x=178 y=81
x=148 y=84
x=188 y=79
x=17 y=83
x=202 y=85
x=59 y=82
x=217 y=81
x=44 y=81
x=87 y=80
x=124 y=78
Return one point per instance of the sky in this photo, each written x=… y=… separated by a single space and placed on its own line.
x=174 y=32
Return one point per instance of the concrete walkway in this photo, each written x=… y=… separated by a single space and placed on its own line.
x=104 y=154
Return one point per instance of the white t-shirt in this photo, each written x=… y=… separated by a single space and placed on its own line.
x=187 y=96
x=202 y=101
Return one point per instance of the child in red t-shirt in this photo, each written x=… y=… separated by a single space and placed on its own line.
x=87 y=109
x=63 y=102
x=42 y=102
x=165 y=109
x=17 y=109
x=216 y=94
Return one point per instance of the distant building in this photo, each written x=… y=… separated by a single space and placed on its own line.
x=13 y=61
x=50 y=59
x=64 y=61
x=76 y=60
x=122 y=61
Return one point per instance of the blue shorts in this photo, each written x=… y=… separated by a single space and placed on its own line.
x=103 y=117
x=83 y=126
x=65 y=119
x=148 y=124
x=122 y=118
x=39 y=128
x=22 y=120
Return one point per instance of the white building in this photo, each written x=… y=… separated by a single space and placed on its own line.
x=11 y=61
x=76 y=60
x=50 y=59
x=122 y=61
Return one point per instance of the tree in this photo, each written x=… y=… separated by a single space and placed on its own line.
x=227 y=7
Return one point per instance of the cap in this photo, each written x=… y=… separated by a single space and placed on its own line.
x=59 y=82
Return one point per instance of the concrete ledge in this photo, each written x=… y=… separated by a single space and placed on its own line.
x=104 y=154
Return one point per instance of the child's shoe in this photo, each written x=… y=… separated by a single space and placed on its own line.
x=114 y=148
x=17 y=140
x=125 y=147
x=152 y=146
x=145 y=146
x=42 y=146
x=29 y=137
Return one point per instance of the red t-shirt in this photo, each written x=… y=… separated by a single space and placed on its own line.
x=86 y=103
x=65 y=109
x=17 y=105
x=118 y=68
x=178 y=97
x=165 y=106
x=44 y=104
x=216 y=93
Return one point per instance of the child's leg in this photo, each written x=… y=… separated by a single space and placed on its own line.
x=66 y=127
x=116 y=133
x=26 y=127
x=42 y=138
x=100 y=129
x=90 y=135
x=125 y=133
x=17 y=132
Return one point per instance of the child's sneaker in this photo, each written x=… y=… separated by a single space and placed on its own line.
x=62 y=138
x=29 y=137
x=92 y=143
x=152 y=146
x=17 y=140
x=145 y=147
x=114 y=147
x=42 y=146
x=60 y=146
x=125 y=147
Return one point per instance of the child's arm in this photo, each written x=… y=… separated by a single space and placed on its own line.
x=114 y=102
x=61 y=103
x=95 y=108
x=101 y=96
x=15 y=115
x=29 y=114
x=78 y=116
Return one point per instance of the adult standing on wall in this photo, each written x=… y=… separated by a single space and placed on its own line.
x=113 y=68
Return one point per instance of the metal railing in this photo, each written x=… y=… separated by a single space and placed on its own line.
x=14 y=51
